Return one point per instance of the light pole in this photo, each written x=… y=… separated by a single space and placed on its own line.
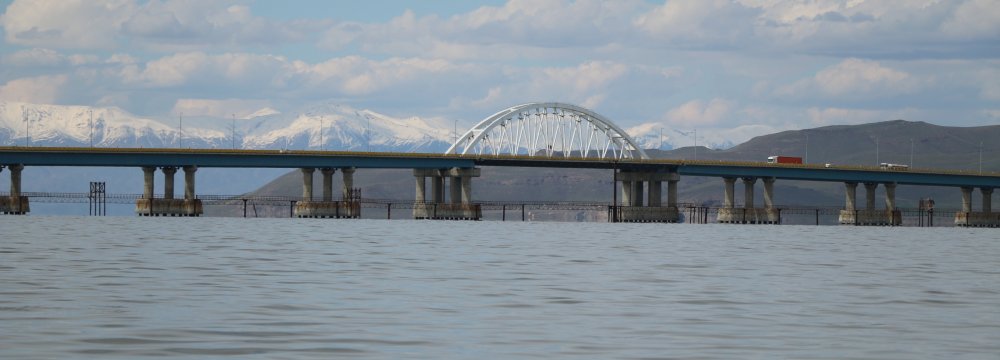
x=980 y=158
x=660 y=147
x=877 y=162
x=322 y=146
x=807 y=148
x=696 y=143
x=911 y=152
x=27 y=128
x=234 y=131
x=91 y=127
x=180 y=130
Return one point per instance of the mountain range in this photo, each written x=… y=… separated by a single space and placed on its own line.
x=324 y=126
x=319 y=126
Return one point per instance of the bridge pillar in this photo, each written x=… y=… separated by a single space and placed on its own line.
x=437 y=187
x=348 y=174
x=637 y=187
x=895 y=217
x=748 y=183
x=870 y=196
x=870 y=215
x=15 y=204
x=672 y=192
x=966 y=199
x=168 y=181
x=459 y=205
x=148 y=174
x=189 y=193
x=728 y=213
x=849 y=214
x=326 y=207
x=768 y=192
x=455 y=188
x=307 y=183
x=467 y=190
x=987 y=199
x=890 y=196
x=655 y=193
x=984 y=218
x=423 y=209
x=192 y=205
x=633 y=189
x=327 y=183
x=421 y=193
x=627 y=189
x=729 y=200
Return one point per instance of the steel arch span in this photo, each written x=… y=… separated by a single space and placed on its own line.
x=548 y=129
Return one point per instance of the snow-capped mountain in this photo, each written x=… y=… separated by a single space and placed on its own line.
x=323 y=126
x=330 y=127
x=666 y=137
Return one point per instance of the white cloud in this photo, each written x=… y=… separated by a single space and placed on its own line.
x=65 y=23
x=699 y=23
x=39 y=90
x=853 y=79
x=225 y=108
x=34 y=57
x=974 y=19
x=698 y=113
x=169 y=25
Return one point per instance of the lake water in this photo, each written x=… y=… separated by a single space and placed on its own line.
x=126 y=287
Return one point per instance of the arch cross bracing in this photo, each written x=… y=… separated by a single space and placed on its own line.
x=550 y=130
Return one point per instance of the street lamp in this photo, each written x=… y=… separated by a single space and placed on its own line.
x=91 y=127
x=911 y=152
x=980 y=158
x=234 y=131
x=322 y=146
x=180 y=130
x=660 y=146
x=27 y=127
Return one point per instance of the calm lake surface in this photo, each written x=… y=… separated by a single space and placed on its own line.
x=126 y=287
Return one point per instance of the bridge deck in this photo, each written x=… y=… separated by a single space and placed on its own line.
x=135 y=157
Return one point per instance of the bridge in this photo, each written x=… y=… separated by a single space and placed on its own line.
x=550 y=135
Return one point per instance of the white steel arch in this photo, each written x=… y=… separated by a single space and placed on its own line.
x=548 y=129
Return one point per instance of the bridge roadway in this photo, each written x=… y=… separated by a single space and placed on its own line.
x=225 y=158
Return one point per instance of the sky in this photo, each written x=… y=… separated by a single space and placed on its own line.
x=740 y=66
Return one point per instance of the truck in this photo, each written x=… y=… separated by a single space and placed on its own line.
x=777 y=159
x=894 y=167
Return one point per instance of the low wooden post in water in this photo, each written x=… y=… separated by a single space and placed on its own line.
x=522 y=212
x=504 y=211
x=817 y=216
x=291 y=208
x=244 y=208
x=388 y=212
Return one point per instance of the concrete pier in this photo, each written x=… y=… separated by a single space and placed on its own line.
x=149 y=205
x=870 y=216
x=327 y=183
x=749 y=213
x=640 y=205
x=168 y=182
x=348 y=208
x=984 y=218
x=458 y=206
x=14 y=204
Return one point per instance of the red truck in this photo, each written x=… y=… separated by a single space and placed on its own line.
x=784 y=160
